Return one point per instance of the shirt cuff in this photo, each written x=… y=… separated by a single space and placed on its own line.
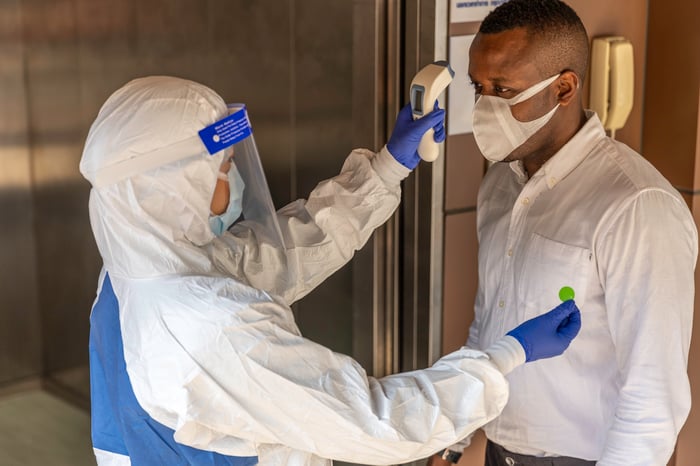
x=507 y=354
x=462 y=444
x=389 y=170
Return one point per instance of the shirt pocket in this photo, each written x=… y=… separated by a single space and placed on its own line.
x=548 y=266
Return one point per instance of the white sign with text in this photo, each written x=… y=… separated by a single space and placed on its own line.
x=465 y=11
x=460 y=94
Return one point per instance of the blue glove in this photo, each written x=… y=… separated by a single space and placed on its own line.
x=404 y=140
x=549 y=335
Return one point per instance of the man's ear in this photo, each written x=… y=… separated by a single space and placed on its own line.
x=569 y=87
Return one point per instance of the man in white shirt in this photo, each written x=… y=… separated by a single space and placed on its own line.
x=565 y=205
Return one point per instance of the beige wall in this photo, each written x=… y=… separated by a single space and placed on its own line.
x=664 y=126
x=626 y=18
x=671 y=141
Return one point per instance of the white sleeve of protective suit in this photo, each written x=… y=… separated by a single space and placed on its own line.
x=225 y=366
x=506 y=354
x=321 y=234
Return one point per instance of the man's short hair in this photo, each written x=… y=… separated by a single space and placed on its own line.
x=554 y=28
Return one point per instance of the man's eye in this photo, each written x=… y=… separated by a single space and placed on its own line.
x=476 y=86
x=501 y=90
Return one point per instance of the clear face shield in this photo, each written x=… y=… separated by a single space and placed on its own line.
x=234 y=135
x=231 y=135
x=252 y=249
x=254 y=240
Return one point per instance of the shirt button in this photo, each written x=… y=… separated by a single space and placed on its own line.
x=501 y=303
x=526 y=201
x=510 y=461
x=510 y=252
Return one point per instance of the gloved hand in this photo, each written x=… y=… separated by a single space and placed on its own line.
x=404 y=140
x=549 y=335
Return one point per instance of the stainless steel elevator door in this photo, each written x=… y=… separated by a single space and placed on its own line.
x=309 y=71
x=320 y=77
x=321 y=122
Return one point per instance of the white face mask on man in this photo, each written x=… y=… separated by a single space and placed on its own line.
x=496 y=130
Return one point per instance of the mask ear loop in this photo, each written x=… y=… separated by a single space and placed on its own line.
x=223 y=175
x=531 y=91
x=228 y=154
x=228 y=158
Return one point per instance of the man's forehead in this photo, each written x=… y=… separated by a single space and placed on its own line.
x=500 y=55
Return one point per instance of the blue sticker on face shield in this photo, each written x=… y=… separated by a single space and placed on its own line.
x=226 y=132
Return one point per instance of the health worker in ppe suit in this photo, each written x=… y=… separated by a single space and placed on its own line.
x=195 y=356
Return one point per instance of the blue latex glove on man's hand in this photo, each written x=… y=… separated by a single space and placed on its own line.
x=549 y=335
x=404 y=140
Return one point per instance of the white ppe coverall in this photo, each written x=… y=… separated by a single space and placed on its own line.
x=210 y=346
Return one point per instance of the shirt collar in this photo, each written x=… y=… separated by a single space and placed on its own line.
x=569 y=156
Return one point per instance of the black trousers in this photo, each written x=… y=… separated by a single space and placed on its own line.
x=496 y=455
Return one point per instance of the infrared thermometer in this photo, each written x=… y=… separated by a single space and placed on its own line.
x=426 y=86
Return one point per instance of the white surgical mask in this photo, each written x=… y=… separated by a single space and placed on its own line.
x=496 y=130
x=221 y=223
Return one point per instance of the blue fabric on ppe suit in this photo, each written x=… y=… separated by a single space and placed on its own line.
x=119 y=424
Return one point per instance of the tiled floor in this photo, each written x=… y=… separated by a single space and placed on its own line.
x=38 y=429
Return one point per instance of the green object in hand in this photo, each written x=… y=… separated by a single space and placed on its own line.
x=566 y=293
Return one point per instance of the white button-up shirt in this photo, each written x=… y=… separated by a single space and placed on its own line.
x=599 y=218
